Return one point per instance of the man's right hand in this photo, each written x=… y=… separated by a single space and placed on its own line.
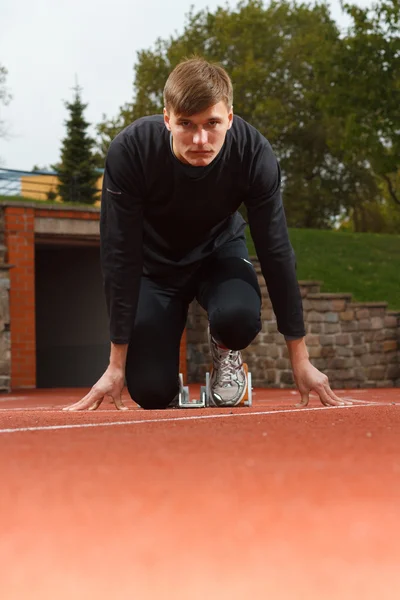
x=110 y=384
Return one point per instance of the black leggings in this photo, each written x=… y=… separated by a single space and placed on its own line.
x=226 y=287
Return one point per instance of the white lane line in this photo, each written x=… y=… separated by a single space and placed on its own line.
x=14 y=398
x=30 y=409
x=57 y=409
x=175 y=419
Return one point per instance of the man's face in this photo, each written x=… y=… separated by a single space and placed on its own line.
x=196 y=140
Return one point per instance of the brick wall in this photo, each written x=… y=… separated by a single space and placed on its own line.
x=5 y=344
x=355 y=344
x=20 y=243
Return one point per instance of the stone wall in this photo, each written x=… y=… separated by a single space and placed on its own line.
x=5 y=343
x=355 y=344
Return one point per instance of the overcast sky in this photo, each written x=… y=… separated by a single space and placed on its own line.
x=44 y=43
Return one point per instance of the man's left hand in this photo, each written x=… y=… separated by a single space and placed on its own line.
x=309 y=379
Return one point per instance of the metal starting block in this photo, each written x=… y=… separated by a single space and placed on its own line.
x=204 y=401
x=184 y=396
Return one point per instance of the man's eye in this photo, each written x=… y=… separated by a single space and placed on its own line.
x=185 y=123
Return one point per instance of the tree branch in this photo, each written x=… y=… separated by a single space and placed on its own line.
x=391 y=189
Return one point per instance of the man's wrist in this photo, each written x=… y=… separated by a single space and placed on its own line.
x=298 y=352
x=118 y=354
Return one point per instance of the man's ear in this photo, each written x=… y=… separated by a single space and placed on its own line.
x=166 y=120
x=230 y=117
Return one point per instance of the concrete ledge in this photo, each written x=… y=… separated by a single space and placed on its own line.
x=53 y=207
x=368 y=305
x=69 y=227
x=310 y=283
x=329 y=296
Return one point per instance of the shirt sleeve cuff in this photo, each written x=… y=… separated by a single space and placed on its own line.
x=292 y=338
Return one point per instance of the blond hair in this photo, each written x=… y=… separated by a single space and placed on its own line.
x=195 y=85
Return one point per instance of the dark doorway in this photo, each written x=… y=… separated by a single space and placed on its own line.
x=72 y=341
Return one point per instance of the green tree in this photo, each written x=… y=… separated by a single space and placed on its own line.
x=379 y=216
x=365 y=109
x=77 y=170
x=37 y=168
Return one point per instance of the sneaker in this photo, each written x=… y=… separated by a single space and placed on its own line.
x=228 y=381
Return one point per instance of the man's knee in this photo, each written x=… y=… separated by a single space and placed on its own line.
x=235 y=327
x=151 y=396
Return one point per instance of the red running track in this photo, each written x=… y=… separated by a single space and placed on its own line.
x=268 y=502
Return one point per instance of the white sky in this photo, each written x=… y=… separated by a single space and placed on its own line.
x=44 y=43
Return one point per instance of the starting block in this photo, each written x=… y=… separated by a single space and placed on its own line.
x=184 y=400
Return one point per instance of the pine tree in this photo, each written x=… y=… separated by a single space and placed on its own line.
x=77 y=171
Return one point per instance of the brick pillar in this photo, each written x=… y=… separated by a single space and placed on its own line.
x=20 y=242
x=182 y=358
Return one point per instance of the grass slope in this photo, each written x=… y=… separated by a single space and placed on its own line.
x=365 y=264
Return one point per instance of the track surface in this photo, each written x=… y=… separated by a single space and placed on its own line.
x=268 y=502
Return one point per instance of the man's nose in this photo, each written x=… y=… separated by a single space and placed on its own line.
x=200 y=137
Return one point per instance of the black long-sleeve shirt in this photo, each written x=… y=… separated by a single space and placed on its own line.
x=162 y=217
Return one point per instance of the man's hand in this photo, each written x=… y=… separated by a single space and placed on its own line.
x=110 y=384
x=309 y=379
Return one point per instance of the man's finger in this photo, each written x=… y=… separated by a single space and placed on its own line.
x=77 y=405
x=87 y=401
x=95 y=404
x=119 y=403
x=342 y=401
x=305 y=397
x=328 y=398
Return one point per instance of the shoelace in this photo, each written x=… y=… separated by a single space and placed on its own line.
x=227 y=366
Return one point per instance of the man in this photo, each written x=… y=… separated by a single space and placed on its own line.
x=170 y=232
